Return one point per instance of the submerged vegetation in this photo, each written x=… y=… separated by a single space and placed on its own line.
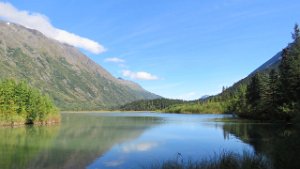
x=21 y=104
x=226 y=160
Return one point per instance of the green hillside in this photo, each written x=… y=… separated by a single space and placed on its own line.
x=73 y=80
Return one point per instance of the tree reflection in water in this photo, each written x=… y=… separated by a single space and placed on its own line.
x=280 y=143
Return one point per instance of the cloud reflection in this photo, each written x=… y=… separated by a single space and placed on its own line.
x=114 y=163
x=139 y=147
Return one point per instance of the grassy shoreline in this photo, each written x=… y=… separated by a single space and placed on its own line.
x=225 y=160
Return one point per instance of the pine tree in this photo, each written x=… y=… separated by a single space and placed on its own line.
x=257 y=95
x=273 y=87
x=289 y=80
x=238 y=101
x=296 y=33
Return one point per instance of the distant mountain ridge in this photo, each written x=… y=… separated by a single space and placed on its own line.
x=74 y=81
x=270 y=64
x=204 y=97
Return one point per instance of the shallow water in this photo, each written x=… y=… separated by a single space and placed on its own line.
x=128 y=140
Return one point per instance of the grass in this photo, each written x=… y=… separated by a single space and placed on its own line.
x=225 y=160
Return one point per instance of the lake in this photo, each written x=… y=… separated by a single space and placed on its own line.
x=137 y=140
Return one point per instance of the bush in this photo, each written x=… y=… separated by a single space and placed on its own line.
x=21 y=104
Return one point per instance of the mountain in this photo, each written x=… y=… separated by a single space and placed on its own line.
x=270 y=64
x=74 y=81
x=204 y=97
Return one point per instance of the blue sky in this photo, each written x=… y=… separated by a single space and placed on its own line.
x=174 y=48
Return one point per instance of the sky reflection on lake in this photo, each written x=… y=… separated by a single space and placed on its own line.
x=194 y=136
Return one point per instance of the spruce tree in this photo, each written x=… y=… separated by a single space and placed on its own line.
x=273 y=94
x=289 y=80
x=257 y=95
x=296 y=33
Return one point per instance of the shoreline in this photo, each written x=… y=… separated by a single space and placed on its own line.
x=37 y=123
x=107 y=111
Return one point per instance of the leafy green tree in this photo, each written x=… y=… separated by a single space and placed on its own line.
x=20 y=103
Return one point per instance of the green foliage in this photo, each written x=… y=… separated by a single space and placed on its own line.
x=257 y=94
x=237 y=102
x=200 y=107
x=175 y=106
x=20 y=104
x=150 y=105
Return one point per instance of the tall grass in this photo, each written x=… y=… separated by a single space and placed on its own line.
x=225 y=160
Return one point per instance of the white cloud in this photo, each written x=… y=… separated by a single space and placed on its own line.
x=41 y=23
x=115 y=60
x=141 y=147
x=139 y=75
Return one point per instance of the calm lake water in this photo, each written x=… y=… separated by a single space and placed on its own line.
x=137 y=140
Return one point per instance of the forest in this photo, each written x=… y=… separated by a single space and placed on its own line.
x=150 y=105
x=21 y=104
x=272 y=94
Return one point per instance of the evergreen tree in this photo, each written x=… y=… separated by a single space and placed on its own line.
x=273 y=93
x=289 y=80
x=238 y=102
x=296 y=33
x=257 y=94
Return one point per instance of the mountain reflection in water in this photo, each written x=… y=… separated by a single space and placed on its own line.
x=136 y=140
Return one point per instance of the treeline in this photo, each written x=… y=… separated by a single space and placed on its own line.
x=175 y=106
x=197 y=107
x=21 y=104
x=150 y=105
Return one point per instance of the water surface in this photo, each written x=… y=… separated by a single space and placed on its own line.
x=132 y=140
